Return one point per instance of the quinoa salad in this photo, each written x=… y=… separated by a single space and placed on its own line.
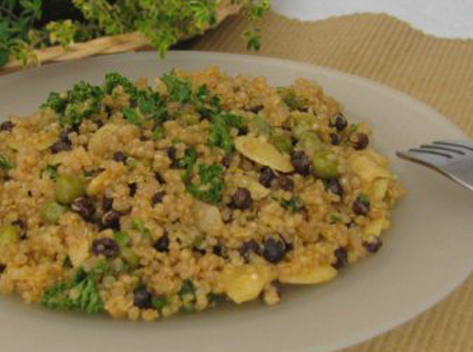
x=146 y=199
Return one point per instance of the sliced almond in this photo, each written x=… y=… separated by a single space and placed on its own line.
x=315 y=275
x=262 y=152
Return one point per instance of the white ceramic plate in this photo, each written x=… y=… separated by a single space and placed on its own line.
x=427 y=251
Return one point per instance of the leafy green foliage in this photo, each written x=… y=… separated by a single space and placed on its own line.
x=5 y=163
x=114 y=79
x=133 y=116
x=188 y=162
x=163 y=22
x=80 y=294
x=294 y=204
x=187 y=288
x=159 y=302
x=219 y=135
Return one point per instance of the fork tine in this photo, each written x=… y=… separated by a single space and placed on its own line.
x=426 y=157
x=442 y=148
x=464 y=145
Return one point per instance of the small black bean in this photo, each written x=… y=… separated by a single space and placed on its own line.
x=60 y=146
x=107 y=204
x=132 y=188
x=266 y=176
x=249 y=247
x=285 y=182
x=111 y=219
x=143 y=298
x=333 y=185
x=335 y=138
x=106 y=246
x=374 y=246
x=217 y=250
x=20 y=223
x=341 y=256
x=255 y=108
x=64 y=135
x=6 y=126
x=227 y=159
x=84 y=206
x=119 y=157
x=162 y=244
x=301 y=163
x=3 y=267
x=159 y=178
x=158 y=198
x=360 y=141
x=339 y=122
x=241 y=199
x=243 y=131
x=274 y=250
x=361 y=208
x=172 y=155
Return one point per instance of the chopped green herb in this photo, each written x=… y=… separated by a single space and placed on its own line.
x=291 y=99
x=363 y=198
x=160 y=302
x=212 y=185
x=335 y=218
x=186 y=289
x=159 y=132
x=51 y=171
x=80 y=294
x=114 y=79
x=5 y=163
x=179 y=89
x=133 y=116
x=140 y=227
x=294 y=204
x=55 y=102
x=261 y=126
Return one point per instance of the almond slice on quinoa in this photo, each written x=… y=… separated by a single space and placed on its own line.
x=245 y=282
x=263 y=153
x=315 y=275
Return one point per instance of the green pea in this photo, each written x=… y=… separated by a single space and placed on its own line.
x=68 y=188
x=309 y=143
x=261 y=126
x=9 y=234
x=325 y=164
x=282 y=142
x=51 y=212
x=302 y=124
x=129 y=256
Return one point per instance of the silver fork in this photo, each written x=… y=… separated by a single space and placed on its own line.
x=452 y=158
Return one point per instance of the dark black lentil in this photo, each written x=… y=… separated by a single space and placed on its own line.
x=227 y=159
x=243 y=131
x=6 y=126
x=339 y=122
x=158 y=198
x=62 y=144
x=84 y=206
x=361 y=207
x=111 y=219
x=107 y=203
x=119 y=157
x=333 y=185
x=266 y=176
x=3 y=267
x=172 y=155
x=159 y=178
x=142 y=298
x=218 y=250
x=341 y=256
x=335 y=139
x=359 y=141
x=162 y=244
x=274 y=250
x=132 y=188
x=241 y=199
x=301 y=163
x=373 y=247
x=255 y=108
x=249 y=247
x=285 y=182
x=106 y=246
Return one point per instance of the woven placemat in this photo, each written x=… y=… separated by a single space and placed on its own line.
x=436 y=71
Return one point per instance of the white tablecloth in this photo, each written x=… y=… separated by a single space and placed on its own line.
x=444 y=18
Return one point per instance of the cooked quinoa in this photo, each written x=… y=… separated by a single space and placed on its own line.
x=144 y=202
